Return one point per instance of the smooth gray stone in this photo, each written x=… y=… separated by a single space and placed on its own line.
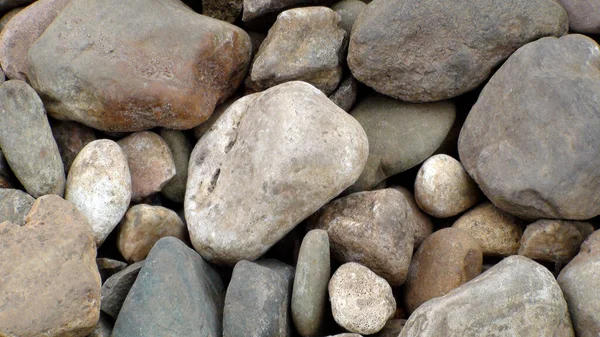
x=14 y=205
x=116 y=288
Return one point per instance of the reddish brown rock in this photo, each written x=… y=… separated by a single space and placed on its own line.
x=70 y=137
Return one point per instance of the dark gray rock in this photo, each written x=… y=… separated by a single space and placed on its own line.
x=14 y=205
x=532 y=140
x=109 y=267
x=116 y=288
x=345 y=94
x=176 y=294
x=257 y=300
x=26 y=140
x=424 y=51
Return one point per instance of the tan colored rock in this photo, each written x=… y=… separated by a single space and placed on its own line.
x=150 y=162
x=49 y=281
x=553 y=240
x=443 y=188
x=498 y=233
x=143 y=226
x=361 y=301
x=446 y=260
x=424 y=226
x=372 y=228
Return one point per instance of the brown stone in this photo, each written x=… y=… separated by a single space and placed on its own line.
x=49 y=281
x=446 y=260
x=71 y=137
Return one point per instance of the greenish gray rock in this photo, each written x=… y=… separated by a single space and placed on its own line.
x=553 y=175
x=176 y=293
x=115 y=289
x=258 y=299
x=348 y=10
x=424 y=51
x=26 y=140
x=181 y=148
x=401 y=135
x=309 y=294
x=517 y=297
x=14 y=205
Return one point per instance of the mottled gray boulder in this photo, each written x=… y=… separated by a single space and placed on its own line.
x=258 y=299
x=270 y=161
x=584 y=15
x=309 y=294
x=305 y=44
x=181 y=148
x=14 y=205
x=401 y=135
x=531 y=147
x=116 y=288
x=26 y=140
x=93 y=64
x=517 y=297
x=349 y=10
x=580 y=281
x=176 y=293
x=423 y=51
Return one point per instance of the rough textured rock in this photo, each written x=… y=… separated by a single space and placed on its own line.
x=49 y=281
x=498 y=233
x=401 y=135
x=443 y=188
x=531 y=95
x=176 y=293
x=108 y=267
x=309 y=294
x=21 y=32
x=270 y=161
x=181 y=148
x=361 y=301
x=553 y=240
x=423 y=51
x=446 y=260
x=143 y=225
x=71 y=137
x=517 y=297
x=116 y=288
x=7 y=16
x=99 y=184
x=14 y=205
x=93 y=64
x=580 y=281
x=583 y=15
x=392 y=328
x=264 y=11
x=201 y=129
x=348 y=10
x=150 y=162
x=344 y=95
x=372 y=228
x=257 y=300
x=423 y=225
x=224 y=10
x=26 y=140
x=305 y=44
x=10 y=4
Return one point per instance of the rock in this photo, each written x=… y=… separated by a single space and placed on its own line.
x=517 y=297
x=7 y=16
x=143 y=225
x=22 y=31
x=99 y=184
x=392 y=328
x=423 y=225
x=180 y=148
x=10 y=4
x=345 y=94
x=348 y=10
x=176 y=293
x=71 y=137
x=224 y=10
x=552 y=240
x=498 y=233
x=108 y=267
x=257 y=300
x=201 y=129
x=428 y=51
x=116 y=288
x=93 y=64
x=401 y=135
x=305 y=44
x=270 y=161
x=361 y=301
x=309 y=294
x=372 y=228
x=347 y=335
x=103 y=328
x=14 y=205
x=49 y=282
x=26 y=140
x=446 y=260
x=150 y=162
x=7 y=178
x=583 y=15
x=579 y=281
x=520 y=174
x=264 y=11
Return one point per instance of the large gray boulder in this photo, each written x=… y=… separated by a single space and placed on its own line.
x=584 y=15
x=423 y=51
x=532 y=140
